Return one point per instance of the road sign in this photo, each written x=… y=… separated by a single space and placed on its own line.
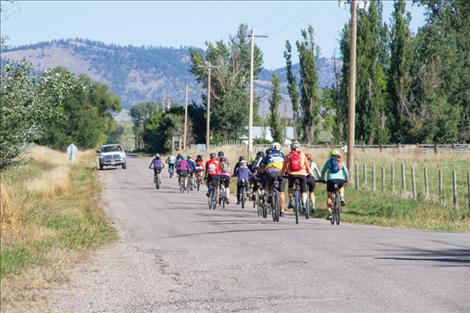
x=201 y=148
x=72 y=153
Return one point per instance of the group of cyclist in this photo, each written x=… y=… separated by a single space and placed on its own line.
x=263 y=170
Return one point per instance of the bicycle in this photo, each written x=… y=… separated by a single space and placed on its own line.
x=243 y=193
x=212 y=200
x=275 y=201
x=183 y=183
x=171 y=170
x=297 y=199
x=336 y=210
x=198 y=179
x=192 y=182
x=222 y=193
x=157 y=179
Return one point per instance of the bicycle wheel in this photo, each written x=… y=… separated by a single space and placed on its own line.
x=297 y=204
x=307 y=209
x=243 y=197
x=338 y=209
x=214 y=200
x=275 y=206
x=157 y=182
x=265 y=206
x=198 y=182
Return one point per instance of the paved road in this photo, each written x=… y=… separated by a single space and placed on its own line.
x=175 y=255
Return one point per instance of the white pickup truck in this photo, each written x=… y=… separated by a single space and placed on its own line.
x=112 y=155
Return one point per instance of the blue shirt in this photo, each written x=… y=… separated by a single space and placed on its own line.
x=273 y=161
x=243 y=173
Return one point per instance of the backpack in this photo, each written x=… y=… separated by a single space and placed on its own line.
x=295 y=161
x=157 y=164
x=183 y=165
x=336 y=164
x=224 y=167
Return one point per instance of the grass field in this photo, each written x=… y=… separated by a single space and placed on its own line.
x=50 y=218
x=397 y=208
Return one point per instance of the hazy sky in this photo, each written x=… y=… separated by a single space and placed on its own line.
x=181 y=23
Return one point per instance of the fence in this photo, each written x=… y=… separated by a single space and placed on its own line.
x=444 y=186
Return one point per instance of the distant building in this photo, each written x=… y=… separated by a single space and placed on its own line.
x=265 y=133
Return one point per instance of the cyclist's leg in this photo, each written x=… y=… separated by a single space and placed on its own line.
x=311 y=189
x=227 y=186
x=303 y=189
x=282 y=196
x=291 y=179
x=239 y=187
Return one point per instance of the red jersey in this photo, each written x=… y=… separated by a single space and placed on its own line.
x=213 y=167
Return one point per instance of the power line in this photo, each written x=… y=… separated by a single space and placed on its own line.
x=275 y=16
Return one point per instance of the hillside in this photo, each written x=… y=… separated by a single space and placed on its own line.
x=138 y=74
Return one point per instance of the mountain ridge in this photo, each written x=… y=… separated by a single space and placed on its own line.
x=144 y=73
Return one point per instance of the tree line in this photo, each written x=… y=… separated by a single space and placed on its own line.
x=53 y=108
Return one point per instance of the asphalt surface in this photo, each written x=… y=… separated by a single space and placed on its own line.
x=176 y=255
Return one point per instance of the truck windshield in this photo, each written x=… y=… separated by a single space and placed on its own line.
x=111 y=149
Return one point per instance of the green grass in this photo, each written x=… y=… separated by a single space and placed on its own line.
x=72 y=221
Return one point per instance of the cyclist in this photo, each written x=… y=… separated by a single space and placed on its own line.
x=212 y=171
x=192 y=166
x=237 y=165
x=179 y=157
x=157 y=165
x=255 y=178
x=224 y=174
x=199 y=165
x=337 y=175
x=243 y=173
x=171 y=161
x=272 y=166
x=296 y=166
x=311 y=180
x=183 y=169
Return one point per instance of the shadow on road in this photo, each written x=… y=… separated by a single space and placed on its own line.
x=231 y=232
x=456 y=257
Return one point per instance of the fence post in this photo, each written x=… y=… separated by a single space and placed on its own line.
x=363 y=148
x=383 y=178
x=413 y=181
x=381 y=147
x=454 y=188
x=426 y=183
x=468 y=189
x=403 y=178
x=365 y=175
x=357 y=176
x=435 y=148
x=373 y=178
x=393 y=177
x=440 y=186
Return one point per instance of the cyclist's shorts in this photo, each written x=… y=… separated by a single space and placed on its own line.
x=275 y=175
x=171 y=165
x=183 y=173
x=311 y=183
x=330 y=185
x=225 y=179
x=213 y=178
x=157 y=171
x=302 y=179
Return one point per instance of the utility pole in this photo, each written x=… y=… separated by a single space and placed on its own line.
x=185 y=136
x=352 y=91
x=250 y=106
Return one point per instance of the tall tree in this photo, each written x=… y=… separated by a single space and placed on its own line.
x=399 y=76
x=342 y=84
x=229 y=82
x=292 y=89
x=275 y=122
x=310 y=98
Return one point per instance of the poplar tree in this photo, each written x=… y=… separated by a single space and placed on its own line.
x=275 y=121
x=292 y=89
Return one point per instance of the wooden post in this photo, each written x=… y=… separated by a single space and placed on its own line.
x=454 y=188
x=373 y=178
x=403 y=178
x=381 y=147
x=383 y=178
x=365 y=175
x=392 y=177
x=357 y=177
x=435 y=148
x=440 y=186
x=468 y=189
x=426 y=183
x=413 y=181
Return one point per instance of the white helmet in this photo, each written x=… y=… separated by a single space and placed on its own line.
x=295 y=145
x=276 y=146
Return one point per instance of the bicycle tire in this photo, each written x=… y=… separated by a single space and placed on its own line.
x=307 y=208
x=157 y=182
x=338 y=209
x=265 y=207
x=297 y=205
x=243 y=196
x=276 y=209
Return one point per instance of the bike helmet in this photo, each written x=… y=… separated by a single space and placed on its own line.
x=260 y=154
x=335 y=153
x=220 y=154
x=243 y=163
x=190 y=156
x=199 y=156
x=240 y=159
x=308 y=155
x=157 y=155
x=276 y=146
x=213 y=155
x=268 y=151
x=295 y=145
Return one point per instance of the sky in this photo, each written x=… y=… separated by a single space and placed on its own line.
x=182 y=23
